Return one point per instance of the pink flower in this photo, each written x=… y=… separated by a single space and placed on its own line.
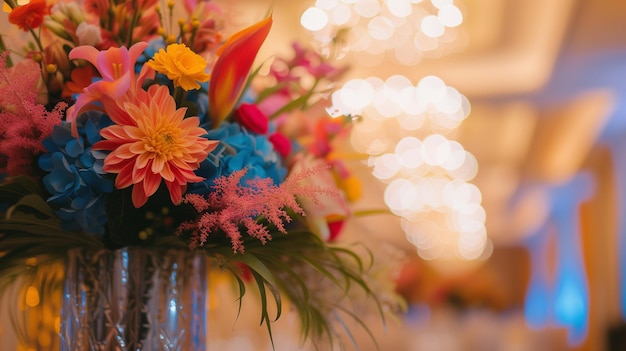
x=152 y=141
x=115 y=65
x=231 y=206
x=251 y=117
x=271 y=104
x=25 y=123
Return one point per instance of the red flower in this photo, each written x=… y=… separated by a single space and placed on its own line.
x=232 y=68
x=80 y=78
x=29 y=16
x=249 y=116
x=281 y=144
x=334 y=227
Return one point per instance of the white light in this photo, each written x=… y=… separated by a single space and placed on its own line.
x=441 y=3
x=356 y=94
x=326 y=4
x=450 y=16
x=399 y=27
x=340 y=15
x=386 y=104
x=432 y=27
x=473 y=211
x=432 y=189
x=314 y=19
x=399 y=8
x=398 y=82
x=380 y=28
x=451 y=102
x=431 y=89
x=386 y=166
x=468 y=169
x=399 y=194
x=435 y=149
x=410 y=101
x=423 y=234
x=408 y=152
x=456 y=158
x=367 y=8
x=454 y=195
x=473 y=240
x=427 y=179
x=472 y=248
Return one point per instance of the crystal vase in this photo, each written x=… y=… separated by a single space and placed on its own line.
x=134 y=299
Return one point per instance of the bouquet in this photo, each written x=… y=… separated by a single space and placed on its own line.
x=124 y=127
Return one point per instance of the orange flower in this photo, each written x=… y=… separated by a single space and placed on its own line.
x=232 y=68
x=80 y=78
x=152 y=140
x=29 y=16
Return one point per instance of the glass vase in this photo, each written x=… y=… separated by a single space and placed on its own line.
x=134 y=299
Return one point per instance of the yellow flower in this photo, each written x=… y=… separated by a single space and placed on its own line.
x=352 y=187
x=181 y=65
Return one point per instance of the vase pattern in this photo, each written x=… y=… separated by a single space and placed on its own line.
x=134 y=299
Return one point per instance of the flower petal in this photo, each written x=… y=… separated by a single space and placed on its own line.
x=232 y=68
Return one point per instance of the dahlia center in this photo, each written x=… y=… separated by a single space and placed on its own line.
x=164 y=143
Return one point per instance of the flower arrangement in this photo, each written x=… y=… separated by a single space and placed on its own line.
x=122 y=127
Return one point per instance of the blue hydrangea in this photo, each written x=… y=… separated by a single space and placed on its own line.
x=75 y=176
x=239 y=148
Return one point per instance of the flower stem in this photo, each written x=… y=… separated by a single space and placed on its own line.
x=179 y=96
x=3 y=48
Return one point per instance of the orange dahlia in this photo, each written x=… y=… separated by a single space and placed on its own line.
x=151 y=141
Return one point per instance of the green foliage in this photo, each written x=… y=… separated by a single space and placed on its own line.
x=293 y=262
x=284 y=268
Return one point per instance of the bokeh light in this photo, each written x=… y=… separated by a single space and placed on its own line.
x=406 y=129
x=408 y=30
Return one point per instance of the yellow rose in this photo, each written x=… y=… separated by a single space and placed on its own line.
x=183 y=66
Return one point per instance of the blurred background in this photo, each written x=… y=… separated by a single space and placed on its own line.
x=494 y=133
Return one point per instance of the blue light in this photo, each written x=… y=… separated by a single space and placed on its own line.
x=568 y=304
x=571 y=305
x=536 y=306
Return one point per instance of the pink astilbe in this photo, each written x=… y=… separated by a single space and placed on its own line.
x=25 y=123
x=231 y=205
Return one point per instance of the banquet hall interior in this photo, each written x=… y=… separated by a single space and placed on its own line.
x=507 y=231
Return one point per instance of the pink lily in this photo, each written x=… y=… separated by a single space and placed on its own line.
x=228 y=77
x=116 y=67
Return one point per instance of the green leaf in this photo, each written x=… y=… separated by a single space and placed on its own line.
x=242 y=290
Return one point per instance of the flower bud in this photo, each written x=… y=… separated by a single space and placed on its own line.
x=51 y=68
x=88 y=34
